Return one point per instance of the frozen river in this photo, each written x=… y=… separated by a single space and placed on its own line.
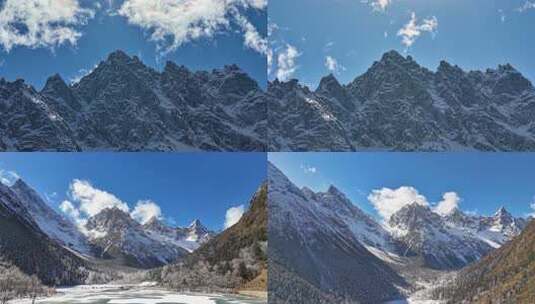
x=109 y=294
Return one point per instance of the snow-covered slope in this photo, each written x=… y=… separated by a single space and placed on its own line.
x=317 y=239
x=399 y=105
x=117 y=235
x=123 y=105
x=189 y=238
x=321 y=239
x=25 y=245
x=49 y=221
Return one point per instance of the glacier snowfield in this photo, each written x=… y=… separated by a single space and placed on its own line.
x=117 y=294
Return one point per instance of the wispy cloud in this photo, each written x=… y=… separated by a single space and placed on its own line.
x=411 y=31
x=37 y=23
x=332 y=65
x=377 y=5
x=7 y=177
x=286 y=62
x=528 y=5
x=309 y=169
x=81 y=74
x=173 y=23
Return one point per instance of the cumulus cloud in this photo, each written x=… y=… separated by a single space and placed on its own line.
x=233 y=215
x=388 y=201
x=450 y=201
x=145 y=211
x=92 y=200
x=87 y=201
x=39 y=23
x=8 y=178
x=172 y=23
x=286 y=65
x=332 y=65
x=412 y=30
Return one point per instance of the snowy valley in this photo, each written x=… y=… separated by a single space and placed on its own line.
x=113 y=248
x=413 y=257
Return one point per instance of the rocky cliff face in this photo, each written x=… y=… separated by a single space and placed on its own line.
x=124 y=105
x=398 y=105
x=26 y=246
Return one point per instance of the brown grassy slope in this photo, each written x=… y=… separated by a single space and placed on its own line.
x=250 y=230
x=507 y=275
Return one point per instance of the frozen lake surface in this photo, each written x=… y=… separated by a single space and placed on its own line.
x=110 y=294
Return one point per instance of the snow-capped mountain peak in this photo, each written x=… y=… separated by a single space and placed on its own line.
x=399 y=105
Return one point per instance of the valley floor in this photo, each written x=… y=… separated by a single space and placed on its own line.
x=136 y=294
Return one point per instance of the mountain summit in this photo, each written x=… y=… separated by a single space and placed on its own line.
x=398 y=105
x=123 y=105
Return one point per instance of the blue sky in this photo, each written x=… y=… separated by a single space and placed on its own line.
x=81 y=33
x=474 y=34
x=185 y=186
x=482 y=181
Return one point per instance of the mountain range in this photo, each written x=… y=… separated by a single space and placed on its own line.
x=319 y=241
x=38 y=240
x=124 y=105
x=398 y=105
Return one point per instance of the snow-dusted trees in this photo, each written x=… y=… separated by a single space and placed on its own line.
x=15 y=284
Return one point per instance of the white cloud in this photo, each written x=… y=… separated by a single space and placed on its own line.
x=41 y=23
x=412 y=30
x=8 y=178
x=251 y=36
x=233 y=215
x=92 y=200
x=88 y=201
x=388 y=201
x=332 y=65
x=174 y=22
x=308 y=169
x=286 y=65
x=450 y=201
x=526 y=6
x=380 y=5
x=81 y=74
x=145 y=211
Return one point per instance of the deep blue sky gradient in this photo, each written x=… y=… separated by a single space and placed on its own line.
x=105 y=34
x=470 y=34
x=185 y=185
x=484 y=181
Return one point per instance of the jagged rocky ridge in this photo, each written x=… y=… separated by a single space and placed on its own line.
x=329 y=232
x=37 y=240
x=398 y=105
x=123 y=105
x=116 y=235
x=321 y=243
